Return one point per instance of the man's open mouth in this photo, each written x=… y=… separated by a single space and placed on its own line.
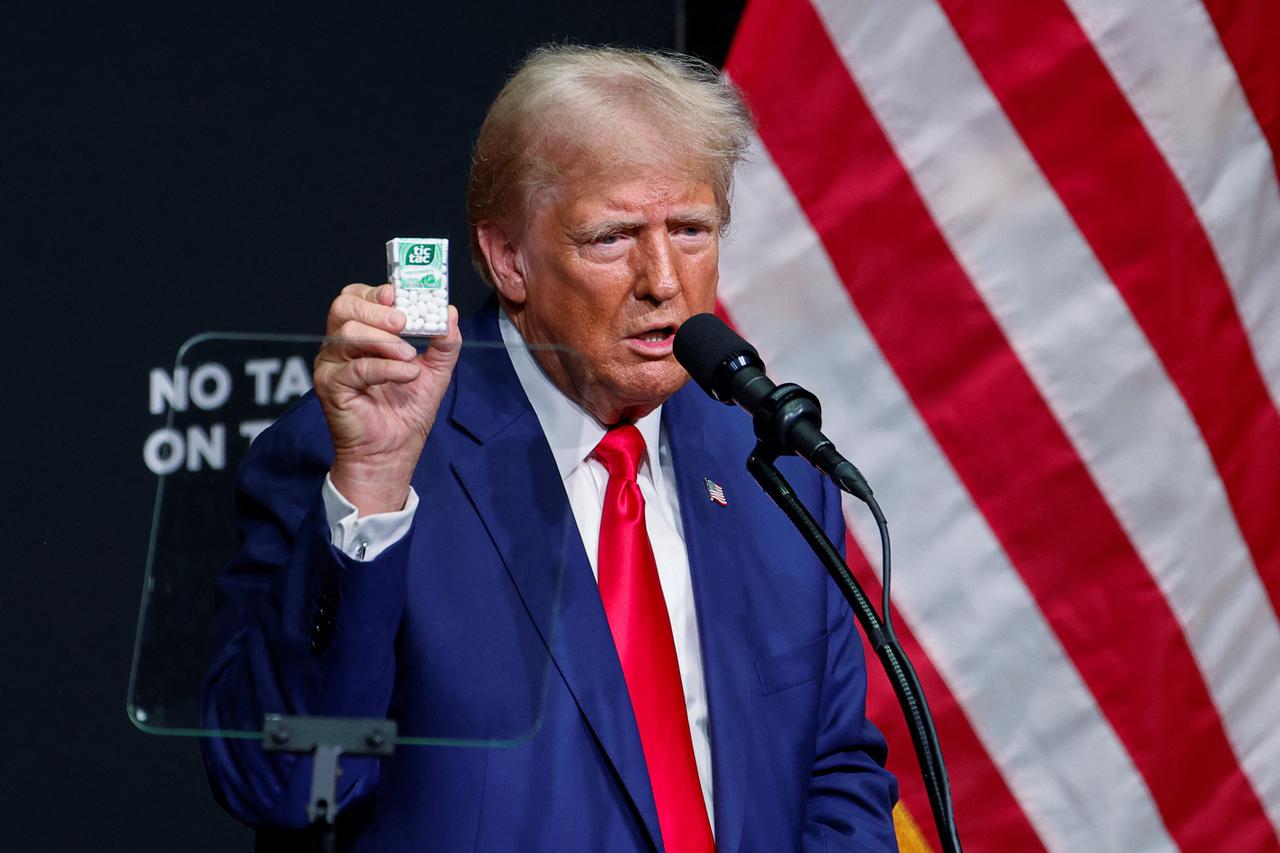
x=656 y=335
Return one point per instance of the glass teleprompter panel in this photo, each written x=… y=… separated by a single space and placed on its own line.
x=245 y=605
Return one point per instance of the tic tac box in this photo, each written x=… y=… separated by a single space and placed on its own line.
x=418 y=267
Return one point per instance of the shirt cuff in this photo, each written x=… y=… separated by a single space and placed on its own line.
x=364 y=538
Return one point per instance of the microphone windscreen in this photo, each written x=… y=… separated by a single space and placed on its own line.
x=703 y=343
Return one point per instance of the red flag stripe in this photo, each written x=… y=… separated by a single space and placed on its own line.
x=932 y=334
x=1169 y=61
x=1249 y=32
x=1152 y=246
x=988 y=816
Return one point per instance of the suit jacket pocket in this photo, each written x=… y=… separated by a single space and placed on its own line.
x=793 y=667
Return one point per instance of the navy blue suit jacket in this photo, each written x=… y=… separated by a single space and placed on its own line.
x=485 y=624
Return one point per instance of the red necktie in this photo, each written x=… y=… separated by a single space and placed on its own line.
x=637 y=613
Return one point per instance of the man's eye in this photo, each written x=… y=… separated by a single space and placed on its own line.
x=692 y=231
x=608 y=239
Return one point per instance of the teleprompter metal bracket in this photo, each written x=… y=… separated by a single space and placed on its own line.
x=328 y=738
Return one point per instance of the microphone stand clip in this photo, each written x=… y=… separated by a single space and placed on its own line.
x=779 y=412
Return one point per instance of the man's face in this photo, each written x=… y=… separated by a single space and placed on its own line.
x=610 y=269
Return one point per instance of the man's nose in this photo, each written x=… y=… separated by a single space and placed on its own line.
x=659 y=276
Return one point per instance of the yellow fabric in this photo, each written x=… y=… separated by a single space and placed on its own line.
x=910 y=838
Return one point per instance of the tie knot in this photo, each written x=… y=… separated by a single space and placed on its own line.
x=620 y=451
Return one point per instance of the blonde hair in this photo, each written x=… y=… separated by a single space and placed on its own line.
x=567 y=107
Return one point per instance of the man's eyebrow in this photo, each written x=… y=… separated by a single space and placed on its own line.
x=709 y=218
x=589 y=232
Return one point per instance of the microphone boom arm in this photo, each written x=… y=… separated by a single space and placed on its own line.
x=902 y=676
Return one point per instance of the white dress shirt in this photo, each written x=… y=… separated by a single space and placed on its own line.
x=573 y=434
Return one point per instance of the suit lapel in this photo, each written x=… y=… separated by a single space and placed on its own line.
x=514 y=484
x=715 y=544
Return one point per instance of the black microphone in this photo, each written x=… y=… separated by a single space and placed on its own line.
x=786 y=417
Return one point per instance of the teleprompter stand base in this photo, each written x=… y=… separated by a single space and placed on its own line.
x=327 y=738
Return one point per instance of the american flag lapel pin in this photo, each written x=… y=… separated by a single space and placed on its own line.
x=715 y=491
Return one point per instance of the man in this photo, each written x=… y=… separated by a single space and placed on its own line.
x=674 y=673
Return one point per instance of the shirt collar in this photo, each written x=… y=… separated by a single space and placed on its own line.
x=570 y=430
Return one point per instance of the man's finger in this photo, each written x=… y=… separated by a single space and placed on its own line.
x=356 y=340
x=349 y=306
x=364 y=373
x=383 y=294
x=446 y=346
x=357 y=289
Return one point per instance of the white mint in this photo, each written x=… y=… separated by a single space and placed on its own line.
x=426 y=311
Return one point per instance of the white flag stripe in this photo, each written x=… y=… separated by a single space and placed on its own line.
x=968 y=606
x=1081 y=346
x=1166 y=57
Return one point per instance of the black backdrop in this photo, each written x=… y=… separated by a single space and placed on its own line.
x=171 y=169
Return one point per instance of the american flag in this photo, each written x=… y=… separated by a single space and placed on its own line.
x=716 y=492
x=1027 y=252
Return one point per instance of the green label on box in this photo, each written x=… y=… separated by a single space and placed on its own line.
x=430 y=280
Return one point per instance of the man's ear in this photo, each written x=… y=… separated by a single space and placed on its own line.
x=504 y=262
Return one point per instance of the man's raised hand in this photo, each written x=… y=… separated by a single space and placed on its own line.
x=379 y=395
